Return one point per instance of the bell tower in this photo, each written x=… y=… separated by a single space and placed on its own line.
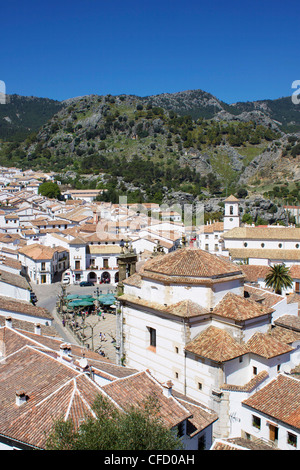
x=232 y=213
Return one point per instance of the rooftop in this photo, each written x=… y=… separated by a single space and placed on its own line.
x=239 y=308
x=216 y=344
x=280 y=399
x=263 y=253
x=190 y=262
x=263 y=233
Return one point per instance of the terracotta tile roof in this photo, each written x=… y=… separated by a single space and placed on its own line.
x=14 y=279
x=262 y=296
x=262 y=253
x=27 y=326
x=100 y=236
x=136 y=389
x=38 y=252
x=249 y=386
x=184 y=308
x=213 y=227
x=77 y=241
x=104 y=249
x=254 y=272
x=13 y=263
x=285 y=335
x=53 y=391
x=215 y=344
x=201 y=416
x=133 y=280
x=263 y=233
x=295 y=271
x=267 y=346
x=280 y=399
x=26 y=308
x=289 y=321
x=231 y=198
x=239 y=308
x=188 y=263
x=293 y=298
x=239 y=443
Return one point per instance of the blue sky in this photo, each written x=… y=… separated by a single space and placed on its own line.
x=237 y=50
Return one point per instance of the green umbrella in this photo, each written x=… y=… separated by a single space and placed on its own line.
x=72 y=296
x=81 y=303
x=107 y=302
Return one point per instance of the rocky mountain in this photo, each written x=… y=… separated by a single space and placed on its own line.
x=188 y=142
x=22 y=115
x=281 y=113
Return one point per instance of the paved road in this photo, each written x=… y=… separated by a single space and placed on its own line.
x=48 y=294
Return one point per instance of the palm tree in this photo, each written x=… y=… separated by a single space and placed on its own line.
x=279 y=278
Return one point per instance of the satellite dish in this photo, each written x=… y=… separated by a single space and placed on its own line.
x=83 y=363
x=286 y=368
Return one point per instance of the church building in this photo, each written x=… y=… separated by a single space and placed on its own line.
x=185 y=318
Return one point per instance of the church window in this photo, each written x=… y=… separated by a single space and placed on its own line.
x=152 y=335
x=231 y=210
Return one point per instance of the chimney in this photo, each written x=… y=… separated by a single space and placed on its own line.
x=167 y=388
x=37 y=329
x=65 y=350
x=21 y=397
x=8 y=322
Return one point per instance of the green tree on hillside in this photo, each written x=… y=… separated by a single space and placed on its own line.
x=50 y=190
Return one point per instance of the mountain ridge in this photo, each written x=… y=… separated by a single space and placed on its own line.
x=181 y=141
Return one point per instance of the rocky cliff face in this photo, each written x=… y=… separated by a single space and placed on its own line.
x=90 y=133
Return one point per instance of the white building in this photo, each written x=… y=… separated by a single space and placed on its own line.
x=186 y=318
x=14 y=286
x=272 y=413
x=94 y=258
x=42 y=263
x=209 y=237
x=263 y=245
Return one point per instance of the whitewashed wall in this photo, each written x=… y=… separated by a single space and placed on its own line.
x=165 y=362
x=263 y=432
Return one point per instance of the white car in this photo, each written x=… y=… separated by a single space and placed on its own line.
x=66 y=280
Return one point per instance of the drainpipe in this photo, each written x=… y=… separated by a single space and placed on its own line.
x=119 y=333
x=184 y=365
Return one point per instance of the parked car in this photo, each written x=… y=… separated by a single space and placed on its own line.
x=66 y=280
x=86 y=283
